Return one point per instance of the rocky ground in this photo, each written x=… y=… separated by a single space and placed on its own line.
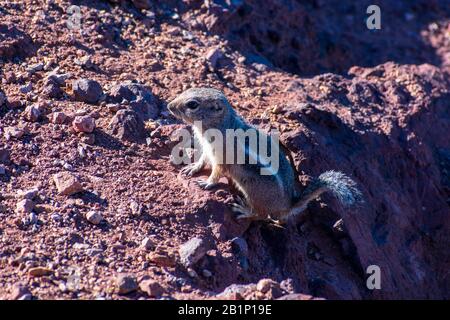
x=92 y=208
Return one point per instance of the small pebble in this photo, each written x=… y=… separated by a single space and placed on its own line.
x=24 y=206
x=94 y=217
x=26 y=88
x=39 y=272
x=148 y=243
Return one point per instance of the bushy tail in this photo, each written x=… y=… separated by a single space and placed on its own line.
x=339 y=184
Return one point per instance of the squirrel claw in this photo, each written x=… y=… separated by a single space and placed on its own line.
x=190 y=170
x=276 y=223
x=240 y=201
x=204 y=184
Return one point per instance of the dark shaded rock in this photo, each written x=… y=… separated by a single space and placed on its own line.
x=2 y=98
x=52 y=89
x=127 y=125
x=89 y=91
x=58 y=78
x=26 y=88
x=4 y=156
x=126 y=283
x=139 y=98
x=15 y=103
x=14 y=43
x=240 y=246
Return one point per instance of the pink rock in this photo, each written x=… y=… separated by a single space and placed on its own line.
x=151 y=287
x=66 y=183
x=83 y=124
x=213 y=56
x=32 y=113
x=24 y=206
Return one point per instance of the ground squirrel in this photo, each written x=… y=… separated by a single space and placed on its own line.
x=273 y=196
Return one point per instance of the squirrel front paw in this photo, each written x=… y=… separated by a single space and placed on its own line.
x=191 y=169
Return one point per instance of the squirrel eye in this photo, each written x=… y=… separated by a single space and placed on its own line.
x=192 y=104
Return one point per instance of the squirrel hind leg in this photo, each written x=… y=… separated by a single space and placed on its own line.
x=302 y=204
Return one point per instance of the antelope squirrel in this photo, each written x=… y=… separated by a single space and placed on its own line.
x=273 y=196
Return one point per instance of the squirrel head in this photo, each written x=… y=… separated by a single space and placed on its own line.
x=206 y=105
